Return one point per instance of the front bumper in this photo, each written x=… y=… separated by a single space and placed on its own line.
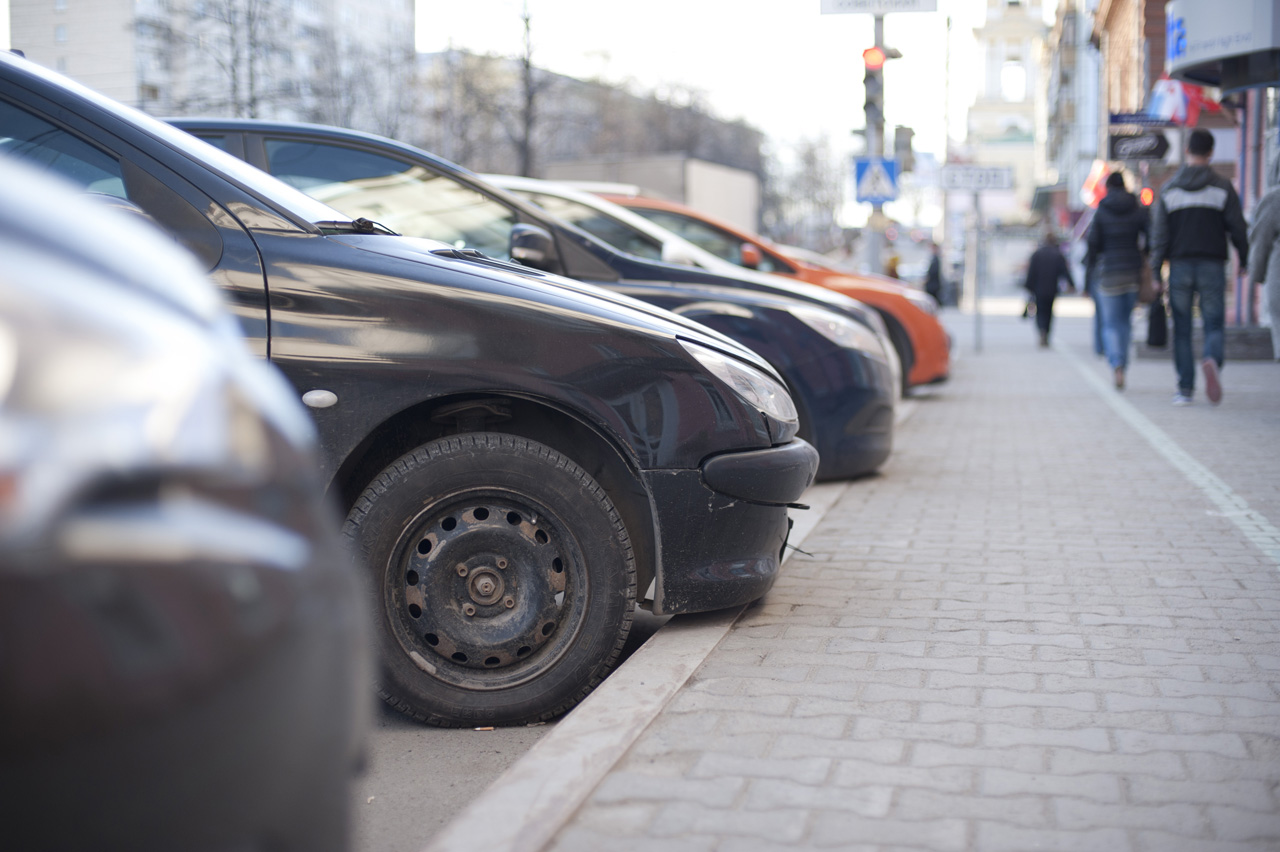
x=849 y=399
x=721 y=530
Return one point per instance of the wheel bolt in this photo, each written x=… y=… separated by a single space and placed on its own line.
x=468 y=609
x=462 y=570
x=485 y=586
x=502 y=563
x=509 y=602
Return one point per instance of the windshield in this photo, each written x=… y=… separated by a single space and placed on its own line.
x=407 y=198
x=617 y=234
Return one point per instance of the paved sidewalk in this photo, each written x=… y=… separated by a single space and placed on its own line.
x=1052 y=623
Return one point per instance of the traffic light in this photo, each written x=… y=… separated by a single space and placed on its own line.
x=874 y=58
x=1147 y=196
x=902 y=152
x=873 y=80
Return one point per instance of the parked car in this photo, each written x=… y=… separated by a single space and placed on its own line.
x=519 y=457
x=184 y=652
x=834 y=366
x=910 y=314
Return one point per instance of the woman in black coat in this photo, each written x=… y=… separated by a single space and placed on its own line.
x=1046 y=268
x=1117 y=242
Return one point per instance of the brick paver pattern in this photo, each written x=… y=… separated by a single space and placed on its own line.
x=1027 y=633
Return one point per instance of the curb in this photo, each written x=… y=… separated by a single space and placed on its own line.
x=541 y=791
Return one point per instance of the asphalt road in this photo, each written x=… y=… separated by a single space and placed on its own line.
x=419 y=777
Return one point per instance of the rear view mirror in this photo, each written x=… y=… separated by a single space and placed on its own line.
x=533 y=246
x=751 y=256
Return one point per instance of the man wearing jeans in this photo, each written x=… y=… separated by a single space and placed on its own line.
x=1197 y=211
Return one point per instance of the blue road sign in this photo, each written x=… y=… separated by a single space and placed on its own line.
x=876 y=179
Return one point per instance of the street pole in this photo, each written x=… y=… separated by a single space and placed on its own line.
x=875 y=149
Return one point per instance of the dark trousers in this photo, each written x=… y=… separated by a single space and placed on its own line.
x=1044 y=311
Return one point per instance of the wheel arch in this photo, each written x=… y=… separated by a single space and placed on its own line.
x=601 y=455
x=901 y=341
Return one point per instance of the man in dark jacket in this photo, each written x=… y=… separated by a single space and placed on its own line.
x=1045 y=269
x=933 y=278
x=1198 y=209
x=1117 y=240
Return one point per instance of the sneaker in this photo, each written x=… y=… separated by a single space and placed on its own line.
x=1212 y=387
x=1181 y=398
x=1119 y=378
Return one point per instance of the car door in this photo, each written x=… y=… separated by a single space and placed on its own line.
x=88 y=155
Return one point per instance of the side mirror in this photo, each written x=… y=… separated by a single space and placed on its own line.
x=751 y=256
x=533 y=246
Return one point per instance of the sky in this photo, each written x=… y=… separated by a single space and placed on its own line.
x=780 y=65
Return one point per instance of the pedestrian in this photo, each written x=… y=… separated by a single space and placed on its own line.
x=891 y=265
x=1045 y=270
x=933 y=278
x=1118 y=240
x=1091 y=290
x=1264 y=249
x=1196 y=212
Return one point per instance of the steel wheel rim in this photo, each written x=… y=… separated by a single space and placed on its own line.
x=487 y=589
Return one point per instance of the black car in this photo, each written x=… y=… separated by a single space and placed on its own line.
x=518 y=459
x=827 y=347
x=184 y=645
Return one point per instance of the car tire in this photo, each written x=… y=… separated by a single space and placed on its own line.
x=502 y=576
x=902 y=343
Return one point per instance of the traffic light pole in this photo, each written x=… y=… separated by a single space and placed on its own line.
x=874 y=114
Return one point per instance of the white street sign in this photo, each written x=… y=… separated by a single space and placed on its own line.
x=876 y=7
x=977 y=178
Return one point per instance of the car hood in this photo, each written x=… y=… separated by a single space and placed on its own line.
x=537 y=286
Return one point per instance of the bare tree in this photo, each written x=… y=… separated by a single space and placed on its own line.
x=463 y=94
x=245 y=41
x=804 y=196
x=533 y=84
x=369 y=85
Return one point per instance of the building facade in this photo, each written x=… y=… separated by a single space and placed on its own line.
x=325 y=60
x=1073 y=130
x=1006 y=123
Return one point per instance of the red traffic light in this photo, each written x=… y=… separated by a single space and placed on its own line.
x=1147 y=196
x=874 y=58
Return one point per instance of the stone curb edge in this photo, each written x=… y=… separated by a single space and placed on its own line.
x=527 y=805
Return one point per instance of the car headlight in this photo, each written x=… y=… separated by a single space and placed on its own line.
x=98 y=380
x=756 y=388
x=842 y=331
x=923 y=301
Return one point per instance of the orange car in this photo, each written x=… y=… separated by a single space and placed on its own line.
x=910 y=314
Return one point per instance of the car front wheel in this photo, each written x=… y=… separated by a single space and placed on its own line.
x=503 y=580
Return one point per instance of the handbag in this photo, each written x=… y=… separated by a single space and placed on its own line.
x=1147 y=291
x=1157 y=324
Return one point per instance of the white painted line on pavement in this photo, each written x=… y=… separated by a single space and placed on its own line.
x=528 y=804
x=1256 y=527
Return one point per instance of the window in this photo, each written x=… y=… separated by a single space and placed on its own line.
x=60 y=65
x=215 y=141
x=721 y=243
x=59 y=5
x=60 y=33
x=1013 y=82
x=617 y=234
x=27 y=137
x=408 y=199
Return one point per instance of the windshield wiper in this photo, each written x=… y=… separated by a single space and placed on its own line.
x=354 y=226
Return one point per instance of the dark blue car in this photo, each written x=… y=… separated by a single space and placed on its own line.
x=828 y=347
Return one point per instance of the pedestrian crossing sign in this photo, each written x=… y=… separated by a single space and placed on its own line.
x=876 y=179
